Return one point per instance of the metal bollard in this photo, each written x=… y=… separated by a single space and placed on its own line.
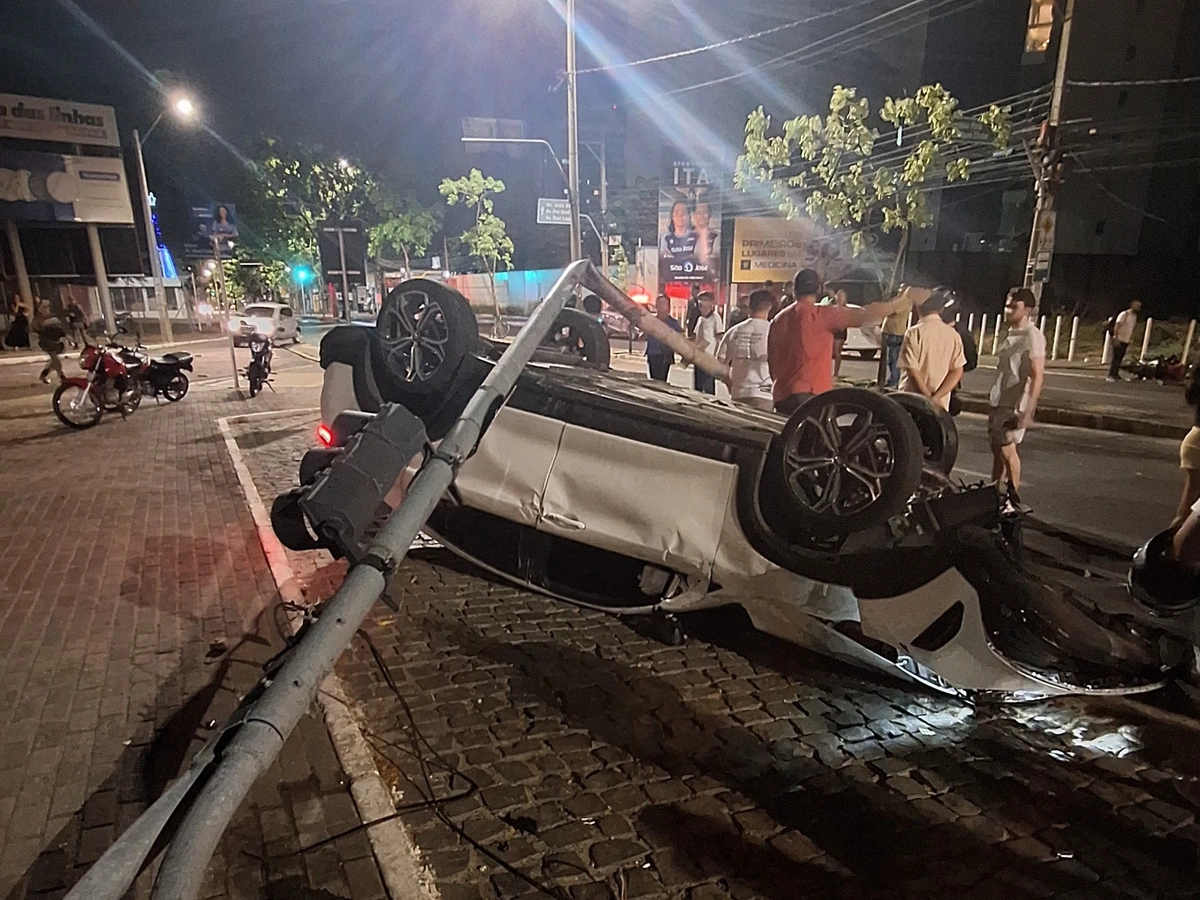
x=1106 y=354
x=1187 y=344
x=1058 y=320
x=1074 y=337
x=1042 y=325
x=996 y=335
x=1146 y=339
x=982 y=330
x=971 y=323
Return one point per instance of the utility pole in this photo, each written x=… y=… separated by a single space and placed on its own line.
x=573 y=138
x=1048 y=169
x=160 y=292
x=223 y=296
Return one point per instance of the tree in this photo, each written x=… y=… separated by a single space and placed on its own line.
x=406 y=227
x=486 y=240
x=827 y=167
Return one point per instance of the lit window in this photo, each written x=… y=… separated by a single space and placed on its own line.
x=1041 y=21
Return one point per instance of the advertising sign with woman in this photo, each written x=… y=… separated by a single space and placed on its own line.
x=689 y=226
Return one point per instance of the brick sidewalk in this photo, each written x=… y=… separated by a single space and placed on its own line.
x=600 y=765
x=137 y=606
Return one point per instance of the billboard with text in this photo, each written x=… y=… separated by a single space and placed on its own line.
x=689 y=224
x=52 y=187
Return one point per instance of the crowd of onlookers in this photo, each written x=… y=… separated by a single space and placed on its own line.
x=781 y=351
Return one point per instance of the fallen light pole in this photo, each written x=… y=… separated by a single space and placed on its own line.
x=220 y=779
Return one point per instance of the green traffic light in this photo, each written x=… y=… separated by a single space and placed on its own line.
x=302 y=274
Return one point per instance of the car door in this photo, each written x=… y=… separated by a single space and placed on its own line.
x=507 y=474
x=636 y=499
x=287 y=323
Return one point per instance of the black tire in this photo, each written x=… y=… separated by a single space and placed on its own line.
x=425 y=331
x=851 y=460
x=254 y=377
x=939 y=434
x=81 y=423
x=131 y=402
x=576 y=339
x=176 y=387
x=867 y=354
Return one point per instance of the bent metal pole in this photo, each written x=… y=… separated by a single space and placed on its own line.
x=291 y=692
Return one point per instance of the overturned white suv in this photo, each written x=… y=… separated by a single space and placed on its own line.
x=839 y=528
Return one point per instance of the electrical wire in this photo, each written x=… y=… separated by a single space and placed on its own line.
x=1144 y=82
x=837 y=37
x=1087 y=173
x=679 y=54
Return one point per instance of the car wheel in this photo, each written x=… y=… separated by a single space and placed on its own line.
x=939 y=435
x=867 y=354
x=851 y=460
x=425 y=331
x=575 y=339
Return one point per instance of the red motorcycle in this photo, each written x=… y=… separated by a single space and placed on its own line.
x=108 y=385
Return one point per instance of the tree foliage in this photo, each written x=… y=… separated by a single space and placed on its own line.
x=827 y=166
x=405 y=227
x=487 y=240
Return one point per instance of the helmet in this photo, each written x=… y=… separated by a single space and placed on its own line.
x=1164 y=585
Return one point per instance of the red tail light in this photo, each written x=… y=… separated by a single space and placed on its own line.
x=324 y=435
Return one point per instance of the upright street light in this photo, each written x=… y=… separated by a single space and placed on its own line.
x=573 y=138
x=185 y=109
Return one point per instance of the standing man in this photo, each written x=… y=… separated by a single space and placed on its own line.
x=894 y=327
x=970 y=351
x=744 y=350
x=1122 y=334
x=52 y=339
x=740 y=313
x=658 y=355
x=709 y=328
x=693 y=312
x=76 y=323
x=932 y=358
x=1020 y=369
x=800 y=342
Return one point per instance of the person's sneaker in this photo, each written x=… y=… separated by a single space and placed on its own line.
x=1110 y=379
x=44 y=378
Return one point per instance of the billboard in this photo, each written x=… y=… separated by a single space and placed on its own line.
x=208 y=222
x=43 y=119
x=52 y=187
x=689 y=224
x=775 y=248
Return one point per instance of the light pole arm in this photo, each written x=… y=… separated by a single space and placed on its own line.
x=539 y=141
x=145 y=137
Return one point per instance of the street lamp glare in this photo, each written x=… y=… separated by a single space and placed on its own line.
x=185 y=107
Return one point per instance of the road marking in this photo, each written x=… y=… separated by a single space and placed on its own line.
x=399 y=861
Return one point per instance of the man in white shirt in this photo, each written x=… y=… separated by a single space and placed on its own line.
x=744 y=350
x=1122 y=337
x=1020 y=370
x=709 y=328
x=931 y=356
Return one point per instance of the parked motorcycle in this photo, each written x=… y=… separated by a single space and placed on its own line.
x=258 y=372
x=164 y=377
x=107 y=385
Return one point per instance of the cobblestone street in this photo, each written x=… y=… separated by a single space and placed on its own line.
x=137 y=607
x=537 y=749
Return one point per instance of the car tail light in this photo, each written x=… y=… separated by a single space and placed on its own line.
x=324 y=435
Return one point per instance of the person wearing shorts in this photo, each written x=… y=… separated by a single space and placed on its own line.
x=1020 y=369
x=1189 y=455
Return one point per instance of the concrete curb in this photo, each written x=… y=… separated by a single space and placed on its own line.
x=404 y=875
x=1077 y=418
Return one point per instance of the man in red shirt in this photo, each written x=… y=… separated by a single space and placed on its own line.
x=800 y=343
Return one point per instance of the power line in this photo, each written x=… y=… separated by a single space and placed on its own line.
x=1087 y=173
x=1147 y=82
x=727 y=43
x=836 y=36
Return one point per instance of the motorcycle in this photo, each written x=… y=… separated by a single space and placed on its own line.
x=258 y=372
x=107 y=385
x=158 y=376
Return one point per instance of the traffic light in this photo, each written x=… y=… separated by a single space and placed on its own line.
x=302 y=274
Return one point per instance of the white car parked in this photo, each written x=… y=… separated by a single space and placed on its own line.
x=274 y=320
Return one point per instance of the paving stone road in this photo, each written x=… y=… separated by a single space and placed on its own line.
x=135 y=607
x=537 y=749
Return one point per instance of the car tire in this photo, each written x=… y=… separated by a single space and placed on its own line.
x=851 y=459
x=576 y=339
x=939 y=434
x=867 y=354
x=425 y=330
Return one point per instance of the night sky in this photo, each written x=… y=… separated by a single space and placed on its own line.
x=388 y=81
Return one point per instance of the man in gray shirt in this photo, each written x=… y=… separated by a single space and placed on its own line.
x=1020 y=370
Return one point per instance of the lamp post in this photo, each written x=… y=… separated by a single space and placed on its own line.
x=573 y=138
x=186 y=109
